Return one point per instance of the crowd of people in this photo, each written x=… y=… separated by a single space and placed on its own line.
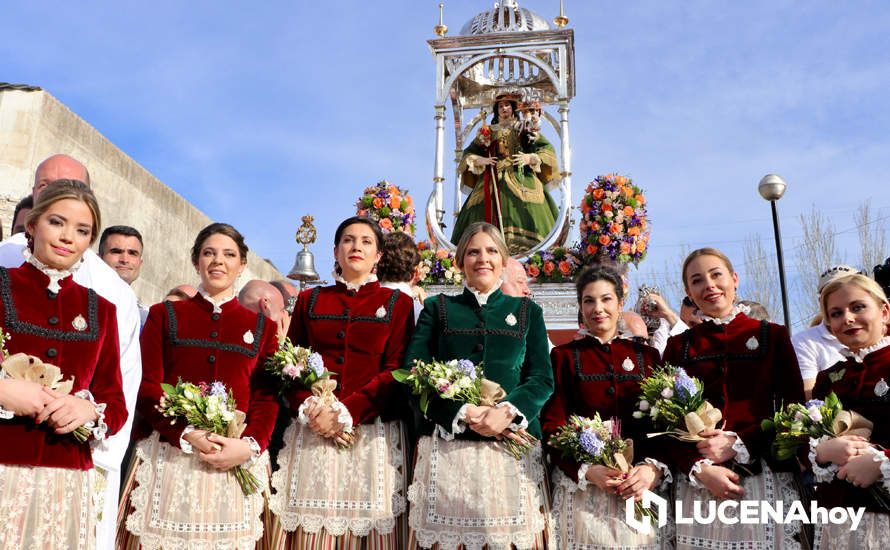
x=101 y=466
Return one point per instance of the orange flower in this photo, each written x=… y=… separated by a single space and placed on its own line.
x=619 y=180
x=395 y=202
x=614 y=228
x=363 y=212
x=604 y=240
x=441 y=253
x=591 y=249
x=564 y=267
x=607 y=207
x=410 y=200
x=628 y=191
x=598 y=194
x=548 y=268
x=640 y=199
x=595 y=226
x=625 y=248
x=386 y=224
x=633 y=231
x=585 y=208
x=628 y=211
x=641 y=246
x=423 y=245
x=378 y=202
x=393 y=190
x=533 y=270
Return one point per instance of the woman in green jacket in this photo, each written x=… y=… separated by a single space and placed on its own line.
x=468 y=489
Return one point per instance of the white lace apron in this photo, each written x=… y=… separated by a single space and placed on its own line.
x=872 y=532
x=46 y=508
x=475 y=493
x=358 y=489
x=769 y=486
x=593 y=519
x=182 y=502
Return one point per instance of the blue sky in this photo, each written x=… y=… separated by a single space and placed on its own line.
x=258 y=113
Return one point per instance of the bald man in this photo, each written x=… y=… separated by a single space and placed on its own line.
x=289 y=294
x=515 y=279
x=261 y=297
x=95 y=274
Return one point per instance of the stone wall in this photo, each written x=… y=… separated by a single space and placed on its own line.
x=35 y=125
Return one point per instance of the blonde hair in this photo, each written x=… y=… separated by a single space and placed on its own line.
x=859 y=280
x=707 y=251
x=67 y=189
x=471 y=231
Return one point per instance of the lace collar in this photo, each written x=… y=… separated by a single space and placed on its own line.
x=859 y=356
x=55 y=275
x=584 y=332
x=352 y=286
x=736 y=309
x=217 y=303
x=399 y=285
x=482 y=297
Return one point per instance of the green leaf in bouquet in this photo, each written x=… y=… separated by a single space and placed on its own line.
x=401 y=375
x=424 y=402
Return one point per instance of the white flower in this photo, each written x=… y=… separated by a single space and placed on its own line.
x=752 y=343
x=644 y=405
x=881 y=388
x=638 y=414
x=814 y=414
x=248 y=337
x=798 y=415
x=79 y=323
x=627 y=364
x=380 y=313
x=510 y=319
x=667 y=393
x=653 y=412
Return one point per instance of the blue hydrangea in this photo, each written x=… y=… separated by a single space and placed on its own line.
x=814 y=403
x=684 y=386
x=316 y=363
x=591 y=443
x=467 y=367
x=218 y=389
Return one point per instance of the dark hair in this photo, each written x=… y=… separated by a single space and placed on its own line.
x=67 y=189
x=124 y=230
x=400 y=258
x=222 y=229
x=882 y=275
x=494 y=116
x=378 y=234
x=687 y=302
x=26 y=202
x=599 y=273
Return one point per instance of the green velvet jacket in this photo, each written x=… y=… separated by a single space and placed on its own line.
x=507 y=335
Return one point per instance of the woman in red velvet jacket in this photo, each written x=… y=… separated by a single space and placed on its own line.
x=748 y=369
x=847 y=468
x=185 y=496
x=46 y=475
x=326 y=496
x=600 y=373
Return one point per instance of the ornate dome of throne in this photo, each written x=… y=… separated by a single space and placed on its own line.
x=505 y=16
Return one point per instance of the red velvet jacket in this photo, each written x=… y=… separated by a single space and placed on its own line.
x=41 y=324
x=855 y=387
x=748 y=369
x=187 y=340
x=591 y=377
x=362 y=336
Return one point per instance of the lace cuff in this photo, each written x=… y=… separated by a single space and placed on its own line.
x=742 y=456
x=515 y=412
x=255 y=452
x=822 y=475
x=666 y=476
x=184 y=445
x=343 y=415
x=696 y=469
x=582 y=476
x=98 y=428
x=534 y=162
x=457 y=425
x=475 y=168
x=5 y=414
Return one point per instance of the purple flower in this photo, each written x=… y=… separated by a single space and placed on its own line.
x=467 y=367
x=591 y=443
x=316 y=363
x=218 y=389
x=684 y=385
x=814 y=403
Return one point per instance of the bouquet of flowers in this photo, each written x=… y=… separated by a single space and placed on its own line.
x=557 y=265
x=675 y=403
x=391 y=206
x=296 y=365
x=594 y=441
x=614 y=221
x=438 y=267
x=458 y=380
x=208 y=407
x=29 y=368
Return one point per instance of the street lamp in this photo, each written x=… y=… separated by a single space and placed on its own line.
x=771 y=188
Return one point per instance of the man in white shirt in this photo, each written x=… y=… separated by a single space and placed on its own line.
x=95 y=274
x=120 y=246
x=816 y=348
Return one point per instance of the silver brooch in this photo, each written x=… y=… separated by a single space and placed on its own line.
x=248 y=337
x=79 y=323
x=881 y=388
x=752 y=343
x=510 y=319
x=627 y=364
x=381 y=312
